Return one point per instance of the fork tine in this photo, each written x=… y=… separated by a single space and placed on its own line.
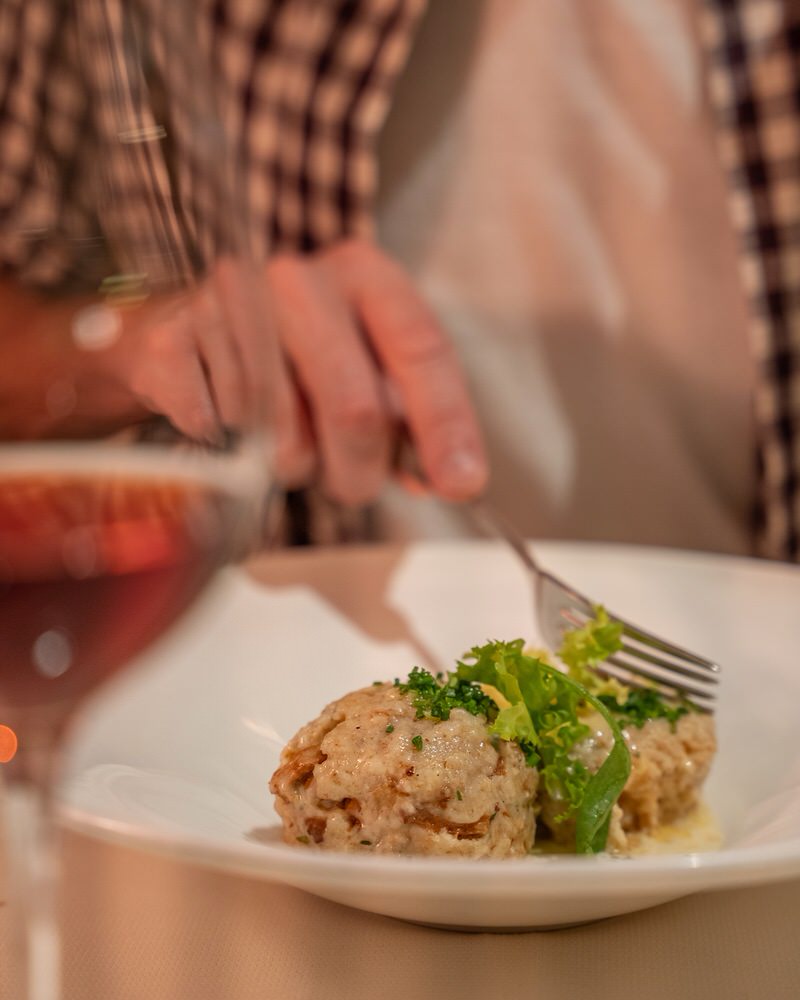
x=558 y=605
x=661 y=677
x=686 y=664
x=577 y=615
x=634 y=632
x=704 y=702
x=693 y=677
x=698 y=674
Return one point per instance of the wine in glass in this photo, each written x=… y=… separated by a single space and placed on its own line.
x=134 y=434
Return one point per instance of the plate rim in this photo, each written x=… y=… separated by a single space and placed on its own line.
x=697 y=871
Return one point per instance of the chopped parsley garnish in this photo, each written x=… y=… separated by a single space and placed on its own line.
x=642 y=704
x=435 y=700
x=304 y=840
x=417 y=742
x=389 y=728
x=459 y=796
x=366 y=843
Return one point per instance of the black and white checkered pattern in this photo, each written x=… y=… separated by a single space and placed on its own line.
x=303 y=87
x=43 y=114
x=753 y=54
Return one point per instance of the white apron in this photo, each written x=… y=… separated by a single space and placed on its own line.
x=549 y=180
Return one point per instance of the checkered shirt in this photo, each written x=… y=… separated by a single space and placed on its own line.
x=303 y=87
x=753 y=60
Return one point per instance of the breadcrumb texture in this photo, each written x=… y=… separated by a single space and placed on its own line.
x=668 y=767
x=424 y=787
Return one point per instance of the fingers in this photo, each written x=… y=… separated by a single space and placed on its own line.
x=251 y=327
x=295 y=452
x=269 y=391
x=338 y=377
x=221 y=357
x=167 y=374
x=208 y=360
x=421 y=364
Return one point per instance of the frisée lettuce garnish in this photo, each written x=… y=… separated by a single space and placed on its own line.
x=582 y=649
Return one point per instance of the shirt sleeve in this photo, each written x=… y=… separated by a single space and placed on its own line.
x=753 y=60
x=43 y=110
x=302 y=87
x=312 y=83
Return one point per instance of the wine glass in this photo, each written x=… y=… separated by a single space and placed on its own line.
x=135 y=457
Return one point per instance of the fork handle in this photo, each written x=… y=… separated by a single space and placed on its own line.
x=495 y=524
x=405 y=462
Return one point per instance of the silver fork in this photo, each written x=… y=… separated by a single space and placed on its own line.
x=645 y=660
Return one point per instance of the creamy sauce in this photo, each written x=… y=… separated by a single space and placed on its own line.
x=696 y=832
x=699 y=831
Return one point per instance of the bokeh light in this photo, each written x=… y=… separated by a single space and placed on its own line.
x=8 y=744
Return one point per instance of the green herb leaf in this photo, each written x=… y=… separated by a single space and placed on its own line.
x=417 y=742
x=389 y=728
x=604 y=786
x=545 y=722
x=583 y=648
x=514 y=723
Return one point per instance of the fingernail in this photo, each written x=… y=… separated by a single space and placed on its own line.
x=463 y=473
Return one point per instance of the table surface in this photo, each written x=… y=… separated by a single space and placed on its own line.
x=139 y=926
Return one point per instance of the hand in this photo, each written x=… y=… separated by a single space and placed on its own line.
x=204 y=359
x=364 y=353
x=82 y=367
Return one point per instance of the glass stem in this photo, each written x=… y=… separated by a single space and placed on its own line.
x=33 y=861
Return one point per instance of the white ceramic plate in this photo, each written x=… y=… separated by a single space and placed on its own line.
x=175 y=756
